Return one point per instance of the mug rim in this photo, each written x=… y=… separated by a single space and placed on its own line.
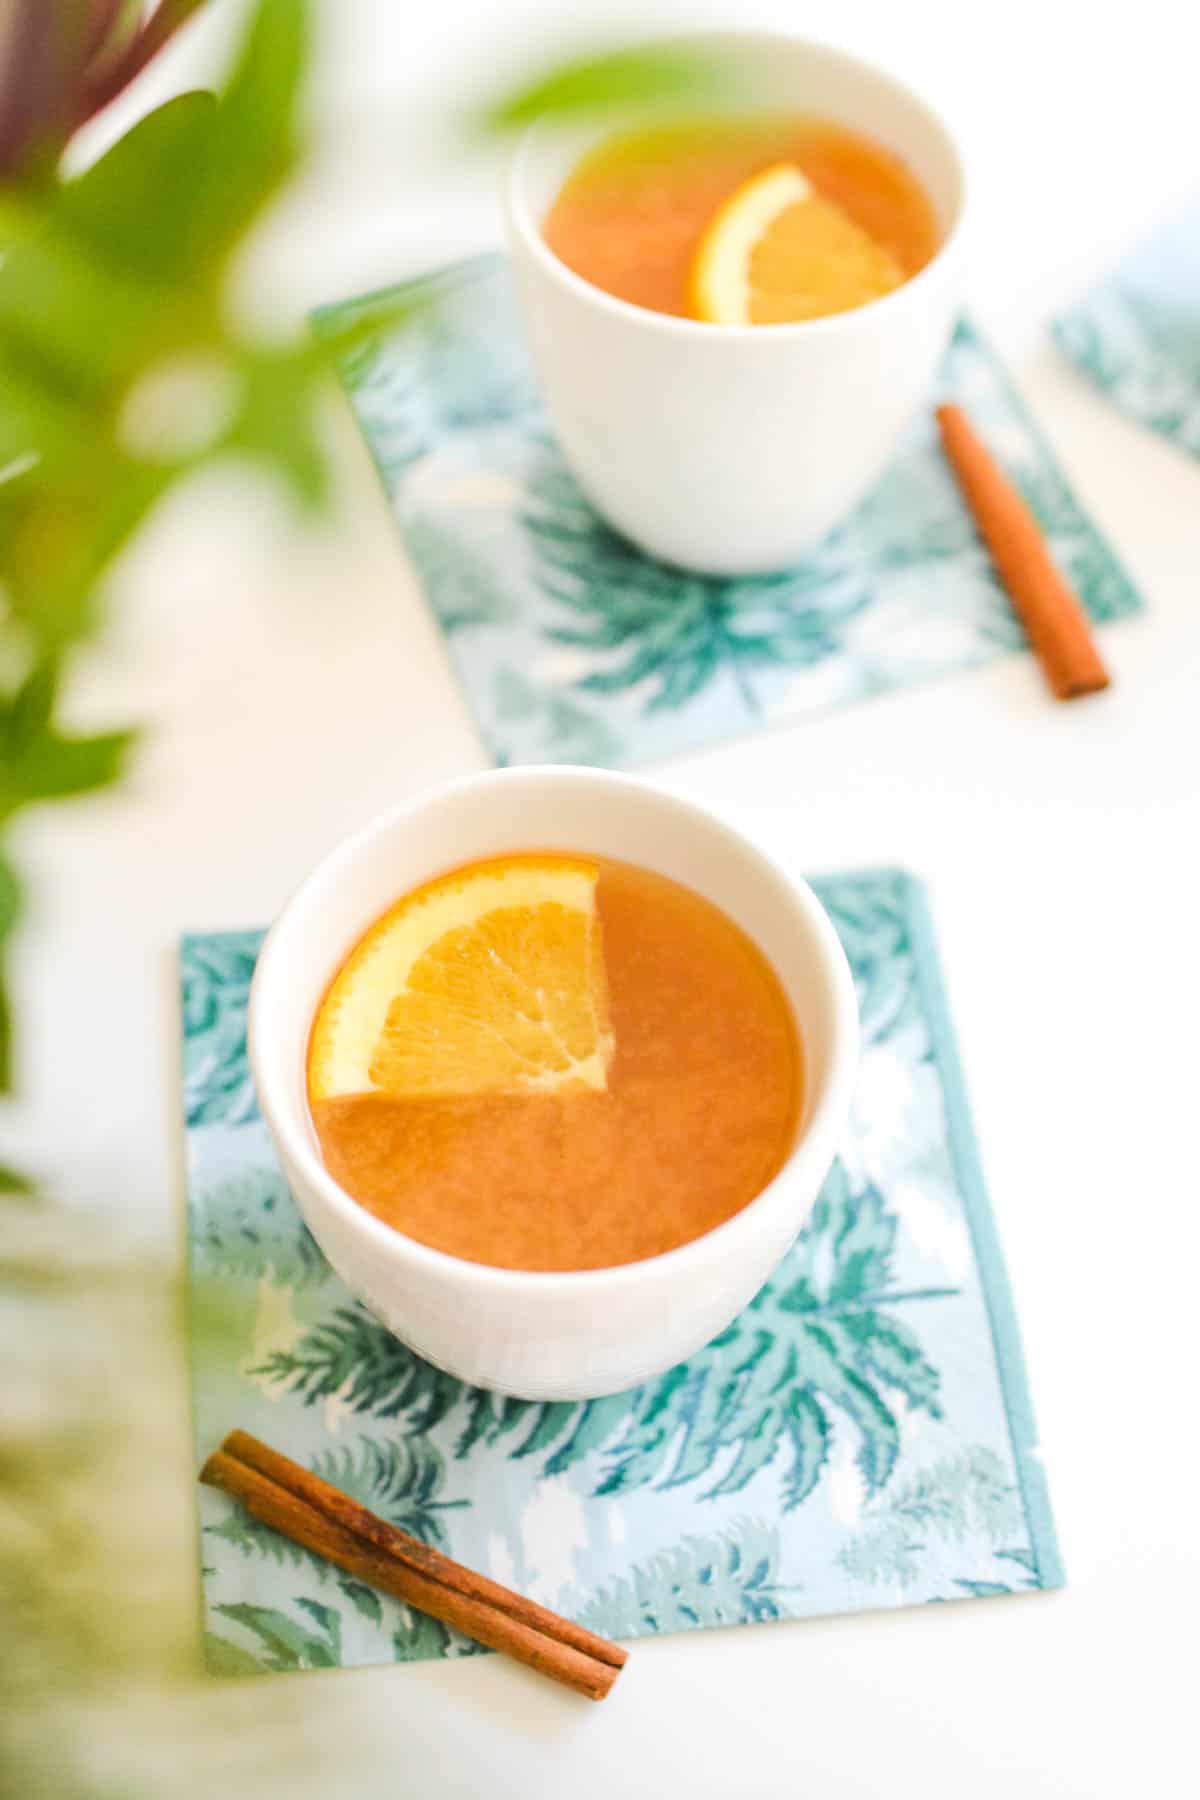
x=534 y=244
x=816 y=1142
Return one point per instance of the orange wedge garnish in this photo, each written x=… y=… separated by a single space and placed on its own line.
x=777 y=251
x=487 y=980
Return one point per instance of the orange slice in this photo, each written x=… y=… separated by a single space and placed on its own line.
x=487 y=980
x=777 y=251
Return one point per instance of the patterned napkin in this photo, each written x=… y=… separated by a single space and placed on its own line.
x=573 y=647
x=860 y=1437
x=1137 y=335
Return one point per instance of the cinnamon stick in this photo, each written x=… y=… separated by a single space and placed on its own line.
x=292 y=1500
x=1050 y=611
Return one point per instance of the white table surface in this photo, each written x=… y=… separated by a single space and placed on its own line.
x=293 y=685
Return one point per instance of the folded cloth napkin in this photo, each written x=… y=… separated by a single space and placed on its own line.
x=1137 y=334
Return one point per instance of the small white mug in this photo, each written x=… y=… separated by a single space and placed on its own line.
x=552 y=1336
x=729 y=449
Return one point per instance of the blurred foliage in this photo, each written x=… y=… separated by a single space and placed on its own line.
x=102 y=1696
x=657 y=75
x=121 y=374
x=111 y=315
x=121 y=370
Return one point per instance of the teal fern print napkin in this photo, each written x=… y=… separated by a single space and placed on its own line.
x=573 y=647
x=1137 y=335
x=860 y=1437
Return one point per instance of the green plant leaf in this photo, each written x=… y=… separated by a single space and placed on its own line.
x=27 y=714
x=650 y=75
x=10 y=897
x=41 y=428
x=276 y=421
x=6 y=1038
x=251 y=140
x=132 y=208
x=172 y=199
x=76 y=325
x=50 y=766
x=10 y=911
x=59 y=535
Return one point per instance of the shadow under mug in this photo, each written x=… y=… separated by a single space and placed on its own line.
x=734 y=450
x=552 y=1336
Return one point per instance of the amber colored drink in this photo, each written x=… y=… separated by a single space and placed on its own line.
x=631 y=214
x=699 y=1112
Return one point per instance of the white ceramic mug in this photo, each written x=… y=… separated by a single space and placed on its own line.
x=552 y=1336
x=735 y=449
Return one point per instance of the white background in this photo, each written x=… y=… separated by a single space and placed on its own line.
x=292 y=685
